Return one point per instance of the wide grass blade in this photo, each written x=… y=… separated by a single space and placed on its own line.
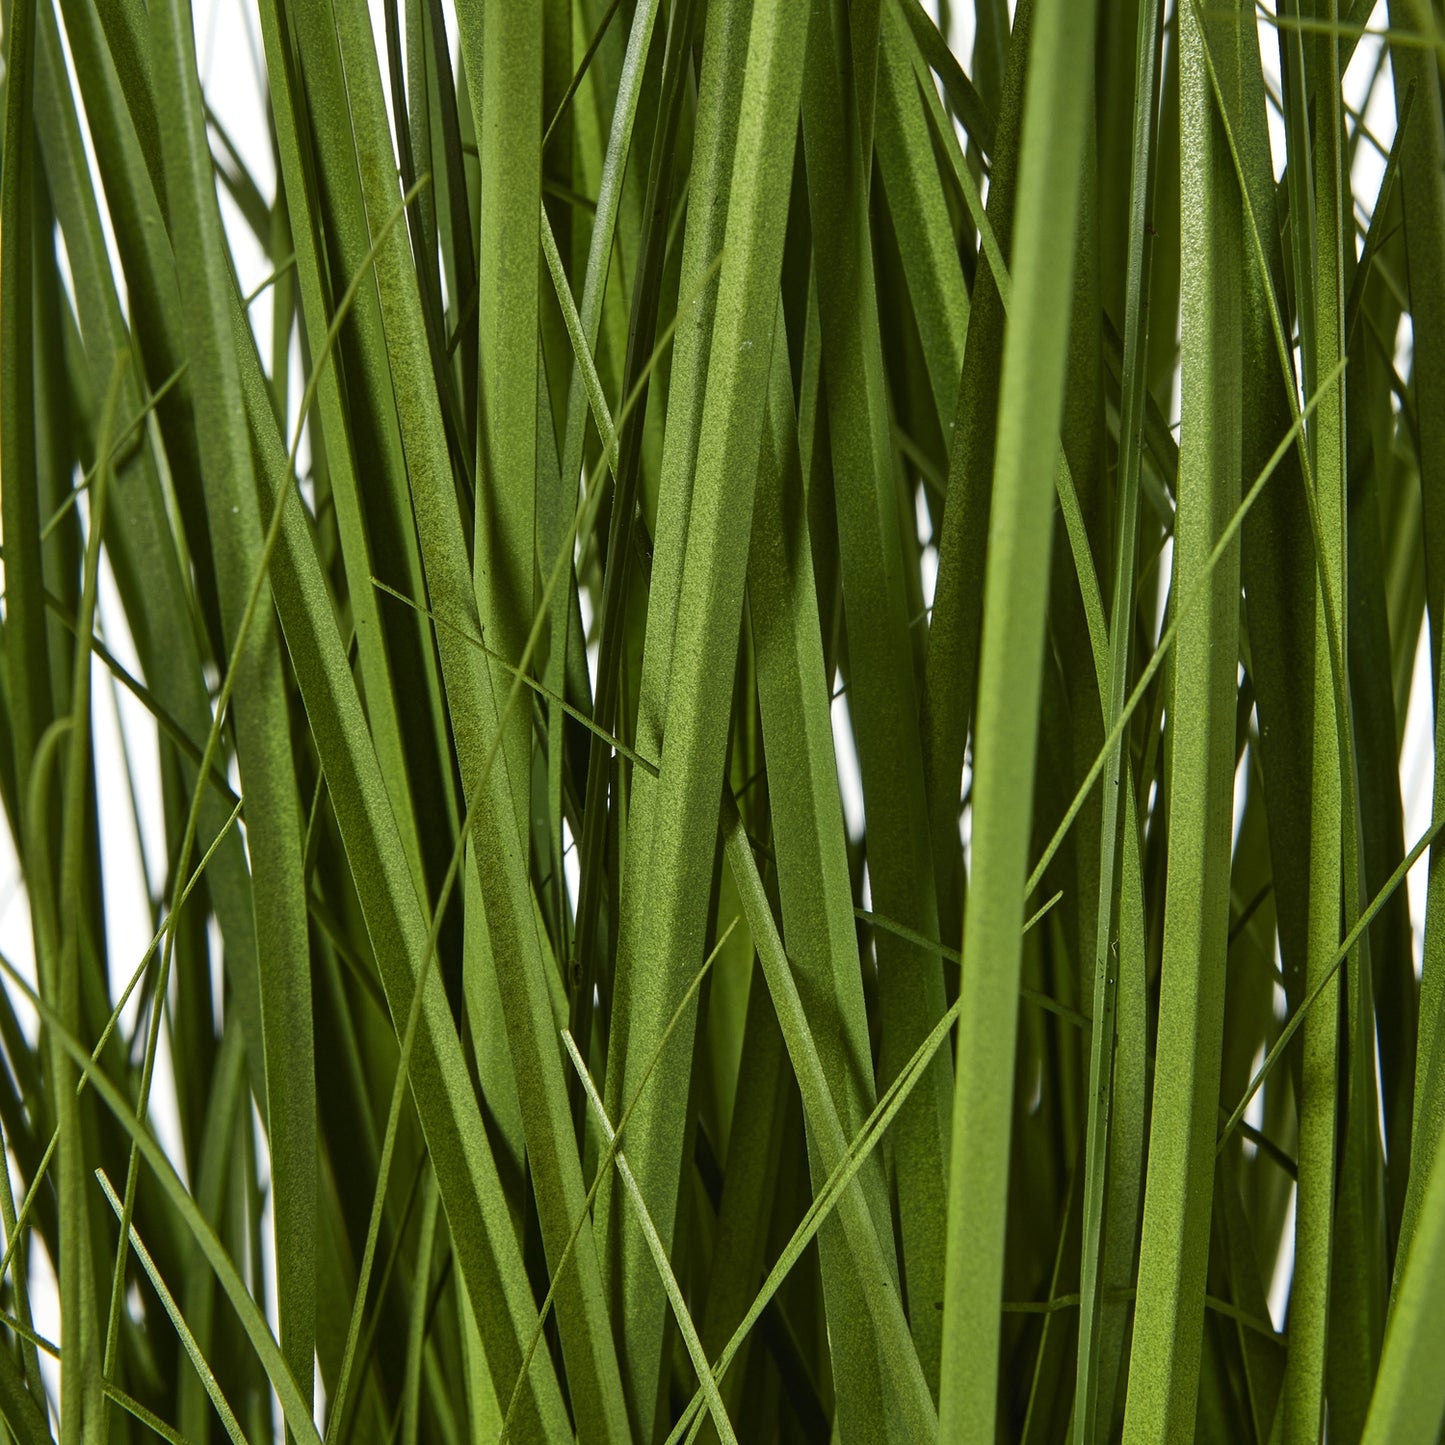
x=1169 y=1312
x=1030 y=403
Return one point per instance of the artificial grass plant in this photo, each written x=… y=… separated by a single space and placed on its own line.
x=766 y=669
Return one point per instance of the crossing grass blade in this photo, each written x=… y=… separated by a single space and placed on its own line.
x=659 y=1255
x=188 y=1340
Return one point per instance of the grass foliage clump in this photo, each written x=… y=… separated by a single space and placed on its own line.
x=760 y=675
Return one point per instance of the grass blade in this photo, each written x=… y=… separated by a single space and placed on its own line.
x=1163 y=1375
x=1031 y=399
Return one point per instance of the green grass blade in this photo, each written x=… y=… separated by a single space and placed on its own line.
x=81 y=1380
x=509 y=121
x=27 y=666
x=1031 y=399
x=882 y=685
x=903 y=1372
x=812 y=862
x=297 y=1410
x=24 y=1417
x=962 y=96
x=611 y=623
x=1164 y=1365
x=659 y=1252
x=1408 y=1402
x=837 y=1190
x=1356 y=1290
x=188 y=1340
x=262 y=726
x=725 y=48
x=356 y=551
x=1109 y=963
x=925 y=233
x=416 y=1337
x=953 y=636
x=684 y=831
x=1423 y=204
